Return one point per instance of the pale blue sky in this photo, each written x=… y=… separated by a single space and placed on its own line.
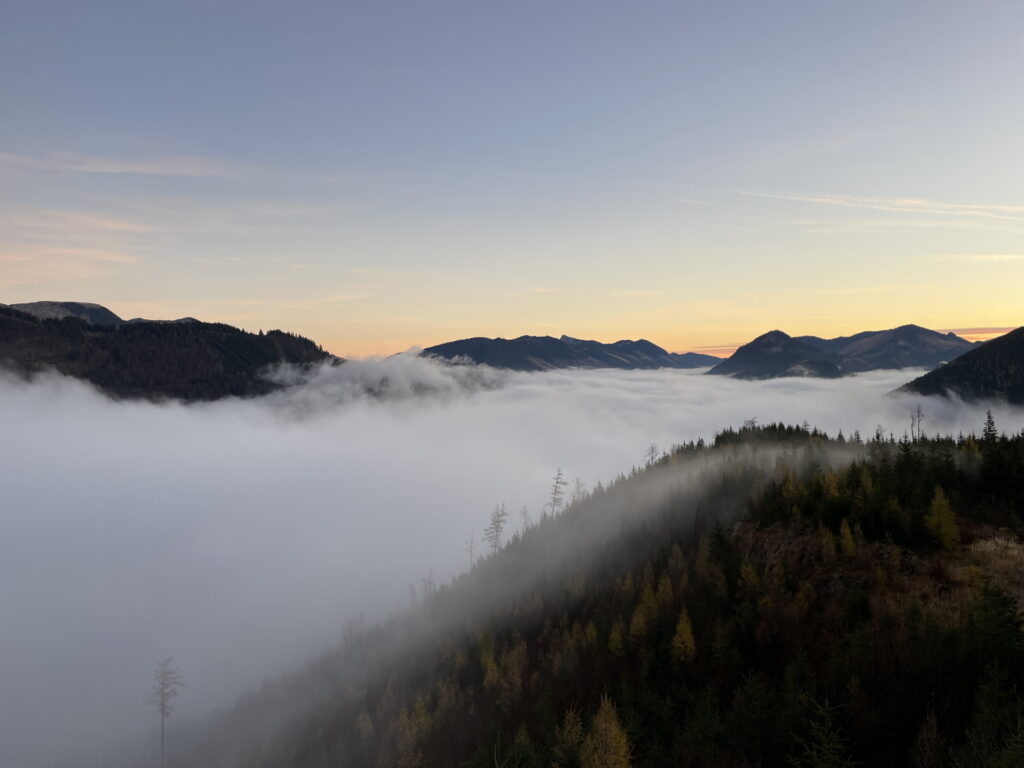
x=379 y=175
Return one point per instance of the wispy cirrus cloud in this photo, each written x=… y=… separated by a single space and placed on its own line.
x=870 y=290
x=900 y=205
x=31 y=265
x=980 y=334
x=990 y=330
x=168 y=165
x=976 y=258
x=637 y=293
x=341 y=298
x=40 y=246
x=720 y=350
x=55 y=221
x=219 y=261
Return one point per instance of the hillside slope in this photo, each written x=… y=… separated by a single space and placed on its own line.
x=859 y=602
x=993 y=371
x=191 y=361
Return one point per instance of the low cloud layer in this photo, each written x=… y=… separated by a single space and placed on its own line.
x=238 y=536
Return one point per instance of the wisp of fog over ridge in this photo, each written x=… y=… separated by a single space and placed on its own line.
x=238 y=535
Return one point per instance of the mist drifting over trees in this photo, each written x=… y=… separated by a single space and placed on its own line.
x=240 y=536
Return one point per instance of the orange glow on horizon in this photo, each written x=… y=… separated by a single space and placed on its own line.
x=718 y=351
x=374 y=349
x=978 y=334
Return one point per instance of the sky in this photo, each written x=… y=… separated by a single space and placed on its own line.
x=238 y=536
x=385 y=175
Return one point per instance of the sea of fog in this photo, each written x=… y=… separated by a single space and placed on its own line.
x=238 y=536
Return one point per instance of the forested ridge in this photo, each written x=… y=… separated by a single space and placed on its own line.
x=992 y=371
x=189 y=360
x=777 y=597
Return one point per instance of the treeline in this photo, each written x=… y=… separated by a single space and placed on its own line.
x=189 y=360
x=776 y=597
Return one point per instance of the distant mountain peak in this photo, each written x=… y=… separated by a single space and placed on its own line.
x=541 y=353
x=94 y=314
x=772 y=337
x=778 y=354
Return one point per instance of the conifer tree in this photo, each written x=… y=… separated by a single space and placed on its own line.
x=825 y=748
x=846 y=543
x=940 y=521
x=683 y=646
x=615 y=640
x=606 y=745
x=989 y=432
x=568 y=737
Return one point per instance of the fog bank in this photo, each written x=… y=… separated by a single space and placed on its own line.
x=237 y=536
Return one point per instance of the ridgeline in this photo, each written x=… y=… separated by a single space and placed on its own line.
x=188 y=360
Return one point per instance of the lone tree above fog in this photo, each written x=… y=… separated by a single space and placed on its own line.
x=492 y=533
x=167 y=679
x=557 y=499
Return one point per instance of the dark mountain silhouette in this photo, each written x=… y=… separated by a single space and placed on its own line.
x=187 y=360
x=777 y=354
x=93 y=314
x=542 y=353
x=909 y=346
x=992 y=371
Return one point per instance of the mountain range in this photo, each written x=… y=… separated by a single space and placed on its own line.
x=543 y=353
x=189 y=360
x=776 y=354
x=193 y=360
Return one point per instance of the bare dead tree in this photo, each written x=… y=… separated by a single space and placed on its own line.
x=492 y=534
x=524 y=513
x=427 y=586
x=651 y=455
x=579 y=491
x=470 y=546
x=557 y=499
x=167 y=679
x=916 y=420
